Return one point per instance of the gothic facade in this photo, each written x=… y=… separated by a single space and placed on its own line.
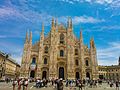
x=60 y=54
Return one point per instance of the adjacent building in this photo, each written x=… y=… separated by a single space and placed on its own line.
x=60 y=54
x=8 y=67
x=110 y=72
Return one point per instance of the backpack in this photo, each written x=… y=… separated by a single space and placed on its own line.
x=26 y=82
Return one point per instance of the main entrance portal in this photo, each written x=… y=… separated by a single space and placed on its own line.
x=32 y=74
x=61 y=72
x=44 y=75
x=88 y=75
x=77 y=75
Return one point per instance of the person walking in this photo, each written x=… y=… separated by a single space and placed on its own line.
x=23 y=83
x=26 y=84
x=80 y=85
x=19 y=84
x=117 y=85
x=14 y=84
x=60 y=85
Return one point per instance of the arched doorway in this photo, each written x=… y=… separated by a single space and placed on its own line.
x=32 y=74
x=44 y=75
x=61 y=72
x=88 y=75
x=77 y=76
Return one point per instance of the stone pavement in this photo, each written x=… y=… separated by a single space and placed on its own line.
x=4 y=86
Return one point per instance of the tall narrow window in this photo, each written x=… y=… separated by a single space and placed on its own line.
x=46 y=49
x=33 y=60
x=45 y=61
x=76 y=51
x=61 y=53
x=62 y=38
x=87 y=64
x=76 y=62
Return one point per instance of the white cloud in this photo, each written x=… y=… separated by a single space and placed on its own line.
x=114 y=27
x=80 y=19
x=18 y=59
x=109 y=55
x=3 y=36
x=28 y=15
x=7 y=12
x=110 y=3
x=86 y=19
x=11 y=36
x=103 y=1
x=103 y=28
x=90 y=1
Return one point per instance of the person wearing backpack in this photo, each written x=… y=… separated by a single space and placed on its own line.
x=14 y=84
x=26 y=84
x=19 y=84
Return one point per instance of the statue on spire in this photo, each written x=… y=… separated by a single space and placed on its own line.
x=26 y=39
x=30 y=40
x=42 y=27
x=69 y=23
x=53 y=22
x=81 y=38
x=92 y=45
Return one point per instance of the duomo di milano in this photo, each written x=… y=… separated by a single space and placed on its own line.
x=60 y=54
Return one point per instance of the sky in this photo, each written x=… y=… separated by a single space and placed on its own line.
x=97 y=18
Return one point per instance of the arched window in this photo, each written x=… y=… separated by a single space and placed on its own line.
x=46 y=49
x=76 y=51
x=45 y=61
x=61 y=38
x=87 y=64
x=76 y=62
x=61 y=53
x=33 y=60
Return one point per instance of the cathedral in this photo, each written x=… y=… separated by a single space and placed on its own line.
x=60 y=54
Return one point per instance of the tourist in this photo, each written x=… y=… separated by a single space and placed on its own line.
x=80 y=85
x=19 y=84
x=26 y=84
x=117 y=85
x=23 y=82
x=111 y=84
x=60 y=85
x=66 y=83
x=14 y=84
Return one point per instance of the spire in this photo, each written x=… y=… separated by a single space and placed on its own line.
x=92 y=45
x=43 y=28
x=42 y=32
x=53 y=24
x=30 y=41
x=69 y=22
x=119 y=61
x=81 y=37
x=26 y=39
x=56 y=22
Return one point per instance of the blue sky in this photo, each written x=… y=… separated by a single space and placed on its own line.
x=98 y=18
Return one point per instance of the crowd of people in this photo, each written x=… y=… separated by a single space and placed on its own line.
x=59 y=84
x=20 y=84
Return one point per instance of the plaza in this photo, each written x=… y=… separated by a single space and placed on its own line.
x=59 y=45
x=5 y=86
